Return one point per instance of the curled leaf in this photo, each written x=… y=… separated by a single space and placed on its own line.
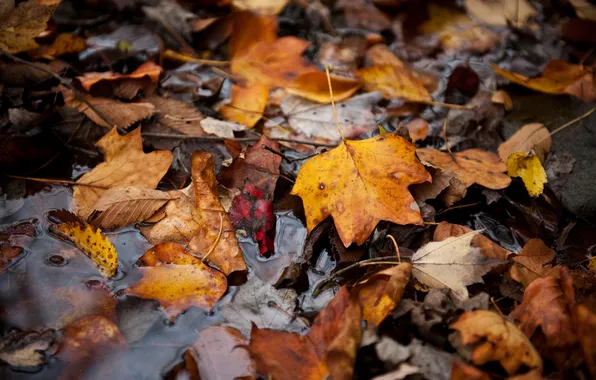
x=529 y=168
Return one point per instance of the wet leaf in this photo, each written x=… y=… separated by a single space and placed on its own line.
x=27 y=20
x=529 y=168
x=494 y=338
x=487 y=247
x=95 y=245
x=27 y=348
x=198 y=218
x=121 y=114
x=328 y=349
x=88 y=338
x=370 y=186
x=558 y=77
x=125 y=205
x=533 y=263
x=502 y=12
x=532 y=137
x=178 y=280
x=382 y=292
x=145 y=78
x=221 y=354
x=452 y=263
x=544 y=316
x=125 y=164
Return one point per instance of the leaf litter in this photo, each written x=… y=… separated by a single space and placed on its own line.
x=344 y=190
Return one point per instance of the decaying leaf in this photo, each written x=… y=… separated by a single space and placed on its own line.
x=125 y=164
x=121 y=114
x=328 y=349
x=198 y=218
x=502 y=12
x=532 y=137
x=545 y=317
x=370 y=185
x=382 y=292
x=95 y=245
x=452 y=263
x=222 y=354
x=27 y=348
x=178 y=280
x=145 y=78
x=558 y=77
x=470 y=166
x=125 y=205
x=488 y=248
x=529 y=168
x=533 y=263
x=494 y=338
x=26 y=21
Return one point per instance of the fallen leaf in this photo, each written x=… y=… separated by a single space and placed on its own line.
x=529 y=168
x=329 y=348
x=221 y=354
x=317 y=121
x=125 y=205
x=221 y=128
x=418 y=129
x=456 y=31
x=544 y=316
x=178 y=280
x=488 y=248
x=501 y=97
x=26 y=21
x=532 y=137
x=470 y=166
x=558 y=77
x=89 y=337
x=461 y=371
x=65 y=43
x=125 y=164
x=584 y=9
x=393 y=83
x=381 y=293
x=195 y=219
x=127 y=86
x=585 y=324
x=494 y=338
x=171 y=15
x=452 y=263
x=314 y=86
x=363 y=15
x=262 y=7
x=93 y=243
x=13 y=241
x=121 y=114
x=181 y=116
x=533 y=263
x=343 y=54
x=502 y=12
x=370 y=186
x=27 y=348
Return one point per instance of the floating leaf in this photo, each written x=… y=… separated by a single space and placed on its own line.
x=452 y=263
x=494 y=338
x=178 y=280
x=360 y=183
x=529 y=168
x=95 y=245
x=27 y=348
x=124 y=205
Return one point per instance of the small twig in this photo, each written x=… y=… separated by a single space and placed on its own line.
x=175 y=56
x=321 y=285
x=569 y=123
x=216 y=240
x=64 y=82
x=49 y=180
x=396 y=247
x=492 y=300
x=333 y=103
x=269 y=149
x=456 y=207
x=238 y=139
x=445 y=137
x=449 y=105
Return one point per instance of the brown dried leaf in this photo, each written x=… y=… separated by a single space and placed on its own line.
x=329 y=348
x=121 y=114
x=529 y=137
x=418 y=129
x=496 y=339
x=19 y=28
x=501 y=97
x=178 y=280
x=27 y=348
x=533 y=263
x=488 y=247
x=125 y=205
x=195 y=219
x=125 y=164
x=65 y=43
x=145 y=78
x=502 y=12
x=381 y=293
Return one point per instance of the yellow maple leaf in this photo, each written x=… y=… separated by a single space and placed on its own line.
x=360 y=183
x=529 y=168
x=95 y=245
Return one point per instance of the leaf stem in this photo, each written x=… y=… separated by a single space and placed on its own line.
x=333 y=103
